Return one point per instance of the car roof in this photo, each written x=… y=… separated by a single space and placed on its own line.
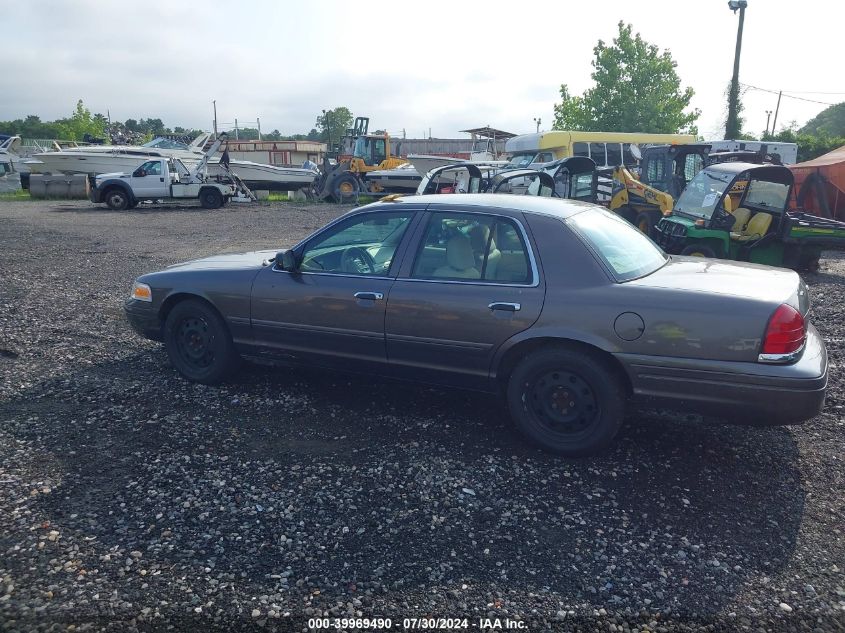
x=538 y=205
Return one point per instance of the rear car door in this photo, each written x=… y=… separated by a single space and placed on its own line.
x=469 y=282
x=150 y=180
x=331 y=310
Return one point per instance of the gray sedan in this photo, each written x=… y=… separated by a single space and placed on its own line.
x=565 y=309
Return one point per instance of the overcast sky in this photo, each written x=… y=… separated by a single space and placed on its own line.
x=443 y=66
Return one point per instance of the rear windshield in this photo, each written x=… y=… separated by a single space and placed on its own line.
x=626 y=251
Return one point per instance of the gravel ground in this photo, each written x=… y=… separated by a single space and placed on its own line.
x=131 y=499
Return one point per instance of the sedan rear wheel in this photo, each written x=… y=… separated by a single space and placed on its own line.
x=566 y=401
x=198 y=342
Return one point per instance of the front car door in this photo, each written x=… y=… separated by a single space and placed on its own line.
x=331 y=310
x=468 y=283
x=149 y=180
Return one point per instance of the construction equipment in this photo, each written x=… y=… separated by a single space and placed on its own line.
x=665 y=172
x=735 y=210
x=348 y=177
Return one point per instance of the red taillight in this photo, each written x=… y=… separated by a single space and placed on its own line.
x=785 y=332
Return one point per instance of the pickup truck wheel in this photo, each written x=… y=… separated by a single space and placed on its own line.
x=116 y=199
x=211 y=198
x=565 y=401
x=198 y=343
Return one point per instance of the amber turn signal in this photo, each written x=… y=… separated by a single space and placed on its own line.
x=141 y=292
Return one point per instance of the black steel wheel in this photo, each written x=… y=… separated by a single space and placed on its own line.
x=198 y=343
x=116 y=199
x=211 y=198
x=566 y=401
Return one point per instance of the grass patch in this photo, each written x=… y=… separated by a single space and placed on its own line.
x=20 y=194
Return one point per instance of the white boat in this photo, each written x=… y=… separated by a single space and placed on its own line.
x=10 y=165
x=402 y=179
x=105 y=159
x=259 y=176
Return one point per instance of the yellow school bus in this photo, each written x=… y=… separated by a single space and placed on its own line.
x=607 y=149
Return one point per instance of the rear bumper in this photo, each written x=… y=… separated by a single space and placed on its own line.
x=143 y=319
x=752 y=392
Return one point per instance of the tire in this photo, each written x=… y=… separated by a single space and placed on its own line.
x=116 y=199
x=211 y=198
x=345 y=185
x=566 y=402
x=198 y=342
x=698 y=250
x=647 y=223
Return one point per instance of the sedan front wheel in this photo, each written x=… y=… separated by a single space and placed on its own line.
x=198 y=342
x=566 y=401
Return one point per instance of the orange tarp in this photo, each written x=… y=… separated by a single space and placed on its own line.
x=820 y=185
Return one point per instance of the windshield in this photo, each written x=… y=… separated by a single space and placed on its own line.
x=165 y=143
x=360 y=149
x=623 y=248
x=703 y=193
x=521 y=160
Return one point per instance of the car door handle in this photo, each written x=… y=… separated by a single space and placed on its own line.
x=372 y=296
x=505 y=307
x=161 y=179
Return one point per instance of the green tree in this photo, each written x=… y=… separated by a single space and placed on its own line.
x=80 y=123
x=829 y=122
x=636 y=89
x=333 y=124
x=810 y=146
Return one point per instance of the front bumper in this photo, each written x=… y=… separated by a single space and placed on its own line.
x=743 y=392
x=143 y=319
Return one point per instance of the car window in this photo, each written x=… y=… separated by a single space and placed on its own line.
x=581 y=149
x=624 y=249
x=597 y=154
x=614 y=154
x=760 y=193
x=472 y=246
x=362 y=245
x=150 y=168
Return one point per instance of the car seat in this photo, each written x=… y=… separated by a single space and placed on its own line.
x=757 y=227
x=742 y=216
x=479 y=236
x=460 y=260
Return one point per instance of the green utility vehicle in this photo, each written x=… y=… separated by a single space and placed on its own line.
x=738 y=211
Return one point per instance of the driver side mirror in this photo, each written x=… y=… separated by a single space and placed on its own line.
x=286 y=260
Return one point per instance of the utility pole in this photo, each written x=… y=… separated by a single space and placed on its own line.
x=768 y=116
x=732 y=124
x=215 y=118
x=258 y=123
x=236 y=128
x=538 y=121
x=777 y=107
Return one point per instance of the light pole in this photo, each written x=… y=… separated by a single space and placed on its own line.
x=768 y=116
x=732 y=124
x=538 y=121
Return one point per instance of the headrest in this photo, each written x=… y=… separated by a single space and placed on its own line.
x=459 y=253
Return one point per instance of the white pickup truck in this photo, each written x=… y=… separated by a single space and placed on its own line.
x=160 y=179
